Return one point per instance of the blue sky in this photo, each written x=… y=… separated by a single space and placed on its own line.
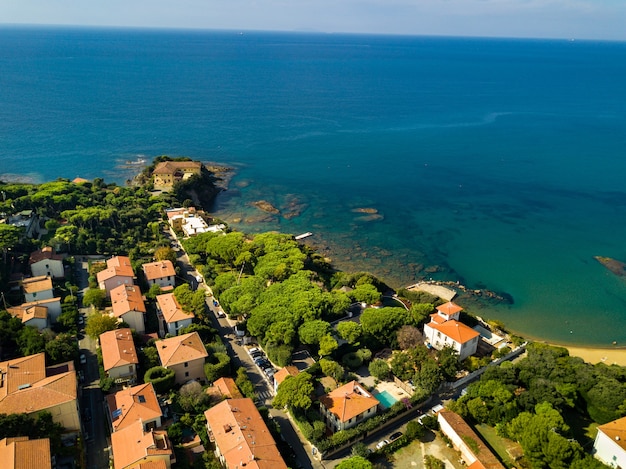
x=581 y=19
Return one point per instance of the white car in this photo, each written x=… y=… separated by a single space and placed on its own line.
x=382 y=443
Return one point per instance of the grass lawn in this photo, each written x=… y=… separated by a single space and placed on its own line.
x=498 y=444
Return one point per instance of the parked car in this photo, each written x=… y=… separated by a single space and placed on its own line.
x=263 y=363
x=382 y=444
x=395 y=436
x=269 y=372
x=253 y=350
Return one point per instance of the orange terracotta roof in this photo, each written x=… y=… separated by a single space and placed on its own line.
x=22 y=453
x=348 y=401
x=449 y=308
x=456 y=330
x=136 y=403
x=118 y=349
x=281 y=374
x=242 y=436
x=170 y=167
x=37 y=284
x=616 y=431
x=125 y=298
x=181 y=349
x=131 y=444
x=228 y=388
x=27 y=388
x=160 y=269
x=29 y=312
x=438 y=318
x=116 y=266
x=45 y=253
x=160 y=464
x=484 y=455
x=170 y=308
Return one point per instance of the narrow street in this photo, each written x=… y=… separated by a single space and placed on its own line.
x=95 y=429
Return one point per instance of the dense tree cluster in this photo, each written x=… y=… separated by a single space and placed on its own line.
x=532 y=401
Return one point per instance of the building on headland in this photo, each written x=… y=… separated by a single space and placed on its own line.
x=118 y=272
x=189 y=222
x=168 y=173
x=161 y=273
x=241 y=437
x=474 y=451
x=347 y=406
x=128 y=306
x=29 y=387
x=171 y=314
x=46 y=261
x=445 y=330
x=137 y=403
x=610 y=443
x=134 y=448
x=37 y=288
x=185 y=354
x=119 y=357
x=23 y=453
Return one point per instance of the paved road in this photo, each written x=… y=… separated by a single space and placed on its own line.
x=95 y=429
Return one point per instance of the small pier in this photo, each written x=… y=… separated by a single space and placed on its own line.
x=303 y=236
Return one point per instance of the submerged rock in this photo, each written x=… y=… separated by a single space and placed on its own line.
x=265 y=206
x=615 y=266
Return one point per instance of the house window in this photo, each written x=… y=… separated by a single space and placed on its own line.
x=439 y=334
x=186 y=364
x=130 y=368
x=186 y=374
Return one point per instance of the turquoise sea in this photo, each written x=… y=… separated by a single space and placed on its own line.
x=499 y=163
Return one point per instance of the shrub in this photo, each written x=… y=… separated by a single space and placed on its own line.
x=379 y=369
x=352 y=360
x=218 y=366
x=161 y=378
x=415 y=430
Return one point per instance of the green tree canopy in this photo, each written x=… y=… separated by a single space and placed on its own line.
x=349 y=331
x=295 y=392
x=99 y=323
x=311 y=332
x=355 y=462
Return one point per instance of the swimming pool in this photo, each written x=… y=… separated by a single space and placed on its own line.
x=386 y=399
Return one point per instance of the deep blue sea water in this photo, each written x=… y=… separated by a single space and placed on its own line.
x=503 y=162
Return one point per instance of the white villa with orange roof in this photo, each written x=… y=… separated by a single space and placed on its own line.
x=29 y=387
x=118 y=272
x=46 y=261
x=160 y=273
x=185 y=354
x=22 y=453
x=119 y=357
x=347 y=406
x=170 y=312
x=133 y=447
x=445 y=330
x=128 y=306
x=610 y=443
x=37 y=288
x=241 y=437
x=138 y=403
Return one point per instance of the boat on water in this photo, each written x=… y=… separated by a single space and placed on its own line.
x=139 y=160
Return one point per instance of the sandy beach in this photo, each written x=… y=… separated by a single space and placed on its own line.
x=610 y=356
